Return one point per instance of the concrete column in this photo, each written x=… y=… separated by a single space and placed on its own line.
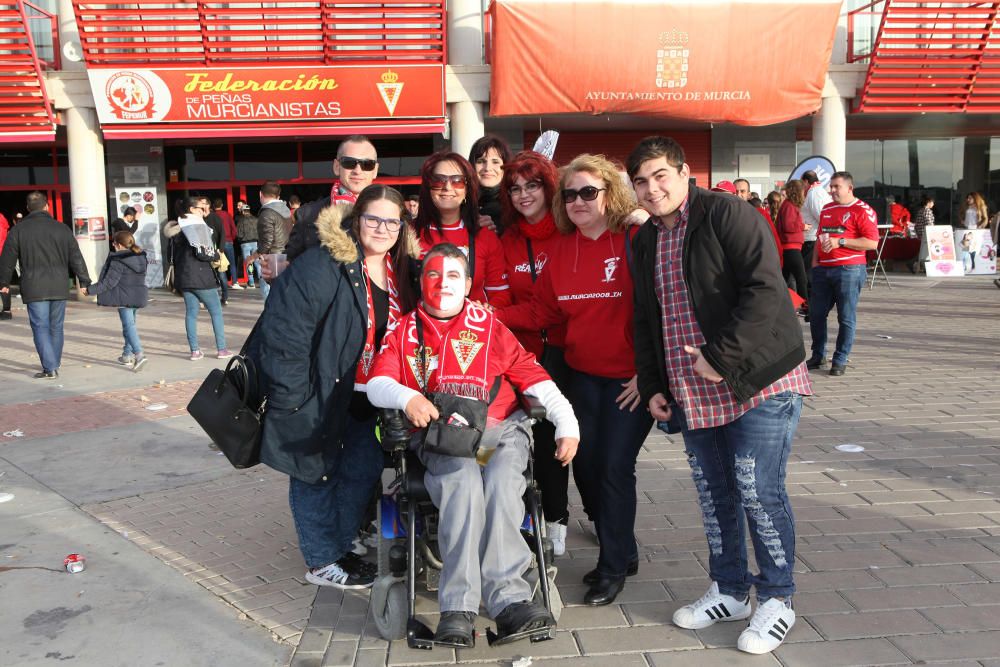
x=88 y=185
x=69 y=33
x=830 y=131
x=465 y=47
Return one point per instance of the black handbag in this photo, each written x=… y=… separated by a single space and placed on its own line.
x=229 y=409
x=461 y=422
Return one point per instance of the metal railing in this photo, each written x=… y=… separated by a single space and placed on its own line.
x=44 y=30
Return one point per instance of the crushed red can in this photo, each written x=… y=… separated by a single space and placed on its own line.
x=75 y=563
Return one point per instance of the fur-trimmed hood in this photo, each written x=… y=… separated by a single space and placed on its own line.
x=171 y=229
x=342 y=245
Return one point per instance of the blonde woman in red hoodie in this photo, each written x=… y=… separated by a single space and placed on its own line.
x=587 y=285
x=527 y=189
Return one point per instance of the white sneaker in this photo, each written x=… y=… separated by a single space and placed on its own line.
x=768 y=627
x=557 y=533
x=6 y=497
x=347 y=573
x=713 y=606
x=236 y=286
x=358 y=547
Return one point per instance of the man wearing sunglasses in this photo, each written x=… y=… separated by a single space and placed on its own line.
x=355 y=168
x=720 y=358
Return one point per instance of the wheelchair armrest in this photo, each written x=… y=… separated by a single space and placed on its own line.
x=531 y=406
x=394 y=429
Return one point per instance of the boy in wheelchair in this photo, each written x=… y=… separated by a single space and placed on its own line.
x=447 y=348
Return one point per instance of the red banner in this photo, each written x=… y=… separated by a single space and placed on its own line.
x=267 y=95
x=747 y=62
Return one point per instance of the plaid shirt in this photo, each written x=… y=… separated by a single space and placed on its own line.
x=705 y=404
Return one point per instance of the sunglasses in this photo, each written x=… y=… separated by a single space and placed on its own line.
x=349 y=163
x=374 y=222
x=528 y=188
x=588 y=193
x=439 y=181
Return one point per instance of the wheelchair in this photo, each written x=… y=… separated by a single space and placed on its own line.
x=407 y=544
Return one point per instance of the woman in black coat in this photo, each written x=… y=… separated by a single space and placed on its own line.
x=123 y=285
x=322 y=324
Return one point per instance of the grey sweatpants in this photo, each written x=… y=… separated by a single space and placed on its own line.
x=479 y=529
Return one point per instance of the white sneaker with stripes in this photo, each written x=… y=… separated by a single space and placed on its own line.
x=711 y=608
x=768 y=627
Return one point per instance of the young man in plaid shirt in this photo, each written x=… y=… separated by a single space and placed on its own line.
x=719 y=354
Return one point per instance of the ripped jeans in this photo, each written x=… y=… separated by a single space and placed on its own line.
x=739 y=469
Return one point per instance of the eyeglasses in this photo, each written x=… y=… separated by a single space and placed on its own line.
x=374 y=222
x=588 y=193
x=528 y=188
x=438 y=181
x=349 y=163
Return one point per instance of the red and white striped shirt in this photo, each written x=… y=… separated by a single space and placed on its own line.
x=705 y=404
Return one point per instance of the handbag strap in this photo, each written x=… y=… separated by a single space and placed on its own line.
x=534 y=279
x=472 y=255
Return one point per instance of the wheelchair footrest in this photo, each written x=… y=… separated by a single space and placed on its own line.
x=419 y=636
x=536 y=635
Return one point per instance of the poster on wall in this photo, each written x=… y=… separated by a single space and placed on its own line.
x=976 y=251
x=940 y=242
x=143 y=199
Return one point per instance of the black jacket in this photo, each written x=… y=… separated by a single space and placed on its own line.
x=306 y=350
x=489 y=204
x=49 y=255
x=304 y=234
x=123 y=280
x=192 y=268
x=736 y=291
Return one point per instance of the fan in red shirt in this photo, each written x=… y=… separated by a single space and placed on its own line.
x=900 y=217
x=449 y=213
x=791 y=230
x=587 y=284
x=526 y=191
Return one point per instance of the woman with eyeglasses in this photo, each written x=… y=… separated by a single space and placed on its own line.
x=526 y=193
x=587 y=285
x=489 y=155
x=449 y=213
x=322 y=325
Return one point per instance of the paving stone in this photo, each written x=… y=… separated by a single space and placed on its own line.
x=855 y=560
x=990 y=571
x=608 y=616
x=636 y=639
x=401 y=654
x=953 y=553
x=340 y=654
x=827 y=602
x=371 y=658
x=903 y=597
x=855 y=526
x=637 y=592
x=314 y=640
x=845 y=653
x=964 y=619
x=714 y=657
x=927 y=574
x=811 y=582
x=966 y=645
x=977 y=594
x=872 y=624
x=562 y=646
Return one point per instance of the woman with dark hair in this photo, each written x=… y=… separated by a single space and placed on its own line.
x=488 y=156
x=921 y=219
x=449 y=213
x=791 y=229
x=588 y=286
x=322 y=324
x=192 y=250
x=526 y=193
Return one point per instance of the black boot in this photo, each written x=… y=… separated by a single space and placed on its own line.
x=456 y=627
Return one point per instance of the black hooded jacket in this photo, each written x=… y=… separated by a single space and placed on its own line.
x=123 y=281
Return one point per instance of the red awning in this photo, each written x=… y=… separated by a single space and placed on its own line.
x=25 y=109
x=746 y=62
x=264 y=130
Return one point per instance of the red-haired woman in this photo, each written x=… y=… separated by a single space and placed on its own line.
x=527 y=189
x=449 y=213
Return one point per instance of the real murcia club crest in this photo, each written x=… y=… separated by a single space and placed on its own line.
x=672 y=59
x=390 y=89
x=466 y=348
x=367 y=357
x=417 y=364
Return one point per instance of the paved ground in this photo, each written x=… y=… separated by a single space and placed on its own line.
x=898 y=549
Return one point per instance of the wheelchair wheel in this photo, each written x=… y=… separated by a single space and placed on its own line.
x=390 y=608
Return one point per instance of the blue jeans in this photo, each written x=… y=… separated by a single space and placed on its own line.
x=840 y=286
x=328 y=514
x=248 y=248
x=265 y=288
x=741 y=466
x=604 y=466
x=46 y=318
x=210 y=298
x=132 y=344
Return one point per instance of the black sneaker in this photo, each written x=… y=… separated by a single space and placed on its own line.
x=46 y=375
x=344 y=573
x=456 y=628
x=837 y=369
x=5 y=315
x=522 y=617
x=814 y=363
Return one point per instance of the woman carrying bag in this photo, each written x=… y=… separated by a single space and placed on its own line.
x=123 y=285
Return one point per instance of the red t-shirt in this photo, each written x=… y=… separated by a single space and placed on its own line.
x=588 y=286
x=489 y=281
x=849 y=221
x=507 y=358
x=522 y=287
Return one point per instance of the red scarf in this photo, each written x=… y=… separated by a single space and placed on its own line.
x=339 y=194
x=539 y=231
x=456 y=353
x=368 y=353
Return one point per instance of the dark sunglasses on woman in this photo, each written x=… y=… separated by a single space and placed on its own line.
x=438 y=181
x=588 y=193
x=349 y=163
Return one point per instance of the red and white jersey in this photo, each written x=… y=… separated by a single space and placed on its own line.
x=856 y=220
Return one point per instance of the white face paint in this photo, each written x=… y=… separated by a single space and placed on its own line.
x=443 y=285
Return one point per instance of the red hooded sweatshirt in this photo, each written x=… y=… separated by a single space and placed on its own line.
x=544 y=237
x=587 y=285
